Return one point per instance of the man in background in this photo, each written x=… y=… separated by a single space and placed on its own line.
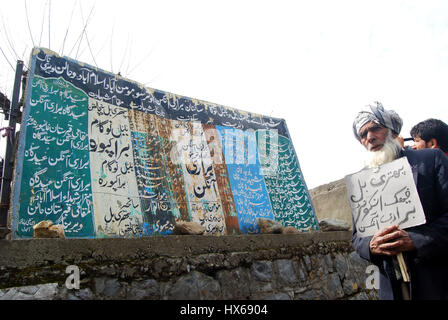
x=424 y=247
x=431 y=133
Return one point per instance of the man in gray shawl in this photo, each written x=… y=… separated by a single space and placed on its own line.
x=371 y=120
x=424 y=247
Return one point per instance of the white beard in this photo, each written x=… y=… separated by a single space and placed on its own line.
x=389 y=152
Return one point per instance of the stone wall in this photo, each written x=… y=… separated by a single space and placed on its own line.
x=320 y=265
x=331 y=201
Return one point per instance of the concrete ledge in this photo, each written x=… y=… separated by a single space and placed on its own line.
x=32 y=252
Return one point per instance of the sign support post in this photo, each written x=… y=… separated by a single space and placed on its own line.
x=11 y=141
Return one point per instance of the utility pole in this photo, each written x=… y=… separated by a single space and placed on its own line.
x=10 y=146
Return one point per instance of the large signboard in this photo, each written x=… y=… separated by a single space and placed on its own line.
x=106 y=157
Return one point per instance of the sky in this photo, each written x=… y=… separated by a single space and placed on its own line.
x=313 y=63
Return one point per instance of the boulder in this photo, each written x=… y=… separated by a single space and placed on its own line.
x=188 y=227
x=269 y=226
x=59 y=229
x=290 y=229
x=328 y=224
x=46 y=229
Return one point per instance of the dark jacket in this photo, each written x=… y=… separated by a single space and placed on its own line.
x=428 y=264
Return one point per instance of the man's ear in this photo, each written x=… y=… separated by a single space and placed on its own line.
x=432 y=144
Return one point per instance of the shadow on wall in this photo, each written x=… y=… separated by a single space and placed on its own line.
x=331 y=201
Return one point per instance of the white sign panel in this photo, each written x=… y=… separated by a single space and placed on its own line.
x=384 y=196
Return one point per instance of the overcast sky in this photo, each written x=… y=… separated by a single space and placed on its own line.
x=313 y=63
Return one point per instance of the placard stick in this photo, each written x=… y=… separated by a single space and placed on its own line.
x=403 y=269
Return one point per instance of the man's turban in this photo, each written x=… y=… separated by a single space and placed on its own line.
x=376 y=113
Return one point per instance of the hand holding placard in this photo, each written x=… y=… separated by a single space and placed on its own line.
x=384 y=201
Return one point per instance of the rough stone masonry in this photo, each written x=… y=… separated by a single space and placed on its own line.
x=307 y=266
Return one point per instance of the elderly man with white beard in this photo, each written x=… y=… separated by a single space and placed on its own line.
x=424 y=247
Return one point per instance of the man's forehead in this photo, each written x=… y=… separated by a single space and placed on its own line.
x=369 y=125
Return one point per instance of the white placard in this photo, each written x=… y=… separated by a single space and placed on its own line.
x=384 y=196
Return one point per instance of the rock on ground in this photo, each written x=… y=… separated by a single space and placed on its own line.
x=187 y=227
x=269 y=226
x=328 y=224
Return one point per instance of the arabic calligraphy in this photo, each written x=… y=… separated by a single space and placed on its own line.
x=107 y=157
x=285 y=184
x=248 y=187
x=153 y=178
x=112 y=168
x=199 y=175
x=55 y=172
x=384 y=196
x=222 y=178
x=115 y=90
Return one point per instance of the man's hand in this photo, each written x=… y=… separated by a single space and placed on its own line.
x=390 y=241
x=400 y=139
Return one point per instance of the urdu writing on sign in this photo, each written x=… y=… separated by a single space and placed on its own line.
x=384 y=196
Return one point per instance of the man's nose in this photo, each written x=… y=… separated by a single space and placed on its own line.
x=414 y=147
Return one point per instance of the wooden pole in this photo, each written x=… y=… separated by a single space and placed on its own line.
x=10 y=145
x=403 y=268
